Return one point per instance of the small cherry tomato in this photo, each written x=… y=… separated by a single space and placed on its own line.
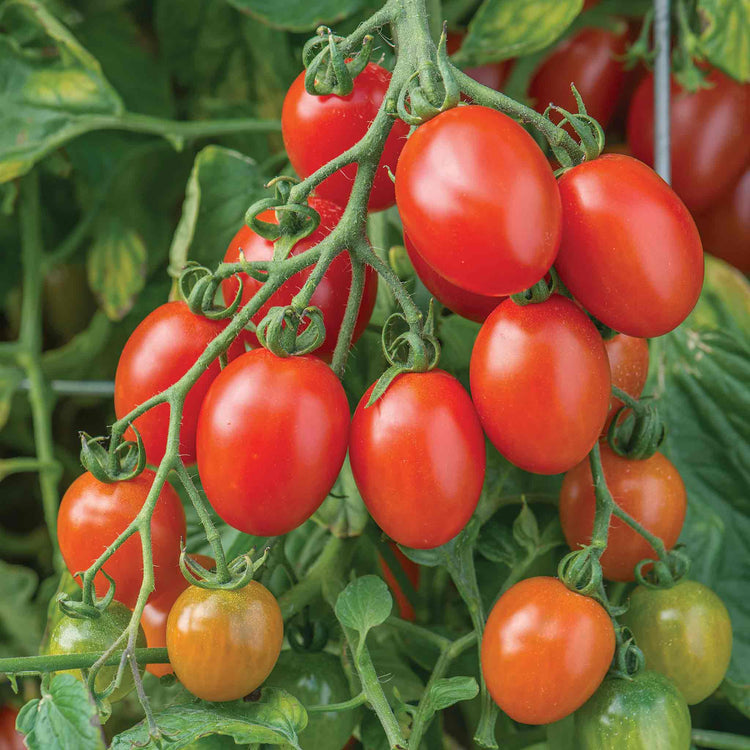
x=492 y=75
x=411 y=569
x=10 y=737
x=628 y=362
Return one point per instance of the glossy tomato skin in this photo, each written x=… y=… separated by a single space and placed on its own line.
x=492 y=75
x=479 y=201
x=158 y=353
x=10 y=737
x=650 y=490
x=418 y=458
x=545 y=650
x=316 y=129
x=685 y=634
x=278 y=426
x=411 y=569
x=92 y=514
x=613 y=209
x=646 y=712
x=541 y=384
x=331 y=294
x=709 y=144
x=628 y=363
x=223 y=644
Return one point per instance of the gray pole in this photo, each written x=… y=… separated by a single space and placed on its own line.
x=662 y=162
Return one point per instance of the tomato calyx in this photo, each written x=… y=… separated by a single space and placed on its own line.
x=236 y=575
x=330 y=70
x=629 y=659
x=122 y=460
x=85 y=605
x=665 y=572
x=198 y=286
x=639 y=437
x=279 y=331
x=581 y=572
x=539 y=292
x=588 y=130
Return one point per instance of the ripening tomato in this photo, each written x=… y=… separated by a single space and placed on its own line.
x=545 y=650
x=492 y=75
x=223 y=644
x=628 y=362
x=92 y=514
x=613 y=209
x=650 y=490
x=418 y=458
x=330 y=295
x=709 y=144
x=479 y=201
x=10 y=737
x=469 y=305
x=158 y=353
x=316 y=129
x=541 y=384
x=272 y=437
x=411 y=569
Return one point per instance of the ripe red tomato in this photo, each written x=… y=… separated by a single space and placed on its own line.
x=709 y=144
x=418 y=458
x=479 y=201
x=272 y=437
x=316 y=129
x=330 y=295
x=650 y=490
x=613 y=209
x=467 y=304
x=492 y=75
x=545 y=650
x=92 y=514
x=10 y=738
x=158 y=353
x=541 y=384
x=628 y=363
x=405 y=608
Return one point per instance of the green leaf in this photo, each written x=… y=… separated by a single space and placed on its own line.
x=20 y=623
x=299 y=15
x=10 y=379
x=393 y=666
x=447 y=691
x=725 y=35
x=343 y=512
x=365 y=603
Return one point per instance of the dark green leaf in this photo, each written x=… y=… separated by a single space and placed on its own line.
x=20 y=623
x=365 y=603
x=343 y=512
x=393 y=667
x=725 y=38
x=299 y=15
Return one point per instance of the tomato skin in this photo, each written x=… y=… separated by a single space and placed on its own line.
x=545 y=650
x=479 y=201
x=405 y=608
x=10 y=737
x=289 y=447
x=223 y=644
x=159 y=352
x=613 y=208
x=685 y=634
x=628 y=363
x=646 y=712
x=709 y=144
x=541 y=384
x=92 y=514
x=331 y=294
x=649 y=490
x=342 y=120
x=492 y=75
x=418 y=458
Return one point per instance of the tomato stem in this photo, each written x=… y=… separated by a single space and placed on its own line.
x=31 y=665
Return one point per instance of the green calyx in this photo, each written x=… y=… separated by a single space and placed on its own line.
x=640 y=436
x=329 y=67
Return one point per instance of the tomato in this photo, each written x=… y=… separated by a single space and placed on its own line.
x=10 y=738
x=545 y=650
x=650 y=490
x=540 y=381
x=272 y=437
x=418 y=458
x=92 y=514
x=479 y=201
x=492 y=75
x=158 y=353
x=331 y=294
x=684 y=633
x=709 y=144
x=469 y=305
x=628 y=362
x=80 y=636
x=411 y=569
x=316 y=129
x=646 y=712
x=67 y=302
x=223 y=644
x=317 y=679
x=613 y=209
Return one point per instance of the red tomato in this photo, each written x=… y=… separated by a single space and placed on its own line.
x=418 y=458
x=272 y=437
x=479 y=201
x=316 y=129
x=614 y=209
x=541 y=384
x=330 y=295
x=492 y=75
x=650 y=490
x=92 y=514
x=405 y=608
x=628 y=363
x=158 y=353
x=545 y=650
x=709 y=144
x=467 y=304
x=10 y=738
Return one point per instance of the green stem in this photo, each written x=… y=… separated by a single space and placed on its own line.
x=355 y=702
x=22 y=665
x=346 y=332
x=719 y=740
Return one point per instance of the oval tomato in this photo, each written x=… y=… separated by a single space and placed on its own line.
x=492 y=75
x=479 y=201
x=541 y=384
x=10 y=737
x=272 y=437
x=92 y=514
x=613 y=208
x=650 y=490
x=545 y=650
x=411 y=569
x=316 y=129
x=418 y=458
x=330 y=295
x=628 y=363
x=223 y=644
x=163 y=347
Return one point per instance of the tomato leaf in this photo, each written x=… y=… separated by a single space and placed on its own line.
x=19 y=619
x=365 y=603
x=725 y=35
x=447 y=691
x=343 y=512
x=299 y=15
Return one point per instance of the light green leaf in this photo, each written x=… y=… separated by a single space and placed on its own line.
x=364 y=604
x=343 y=512
x=299 y=15
x=447 y=691
x=725 y=35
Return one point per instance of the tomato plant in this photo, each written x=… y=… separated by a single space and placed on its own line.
x=628 y=363
x=411 y=569
x=10 y=738
x=493 y=75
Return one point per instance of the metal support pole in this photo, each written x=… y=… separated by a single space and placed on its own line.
x=662 y=74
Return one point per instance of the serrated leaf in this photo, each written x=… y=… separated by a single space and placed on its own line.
x=19 y=619
x=725 y=35
x=343 y=512
x=365 y=603
x=299 y=15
